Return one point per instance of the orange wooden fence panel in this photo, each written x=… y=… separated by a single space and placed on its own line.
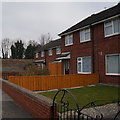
x=35 y=83
x=55 y=68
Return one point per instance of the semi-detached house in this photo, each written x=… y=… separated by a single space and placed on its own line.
x=46 y=55
x=93 y=46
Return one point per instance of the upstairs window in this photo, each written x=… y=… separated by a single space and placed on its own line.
x=42 y=53
x=68 y=40
x=50 y=52
x=36 y=55
x=84 y=64
x=112 y=27
x=113 y=64
x=85 y=35
x=58 y=50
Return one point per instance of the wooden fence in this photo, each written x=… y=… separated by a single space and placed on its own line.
x=55 y=68
x=35 y=83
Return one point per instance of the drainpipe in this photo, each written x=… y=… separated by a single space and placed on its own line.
x=92 y=39
x=118 y=51
x=45 y=56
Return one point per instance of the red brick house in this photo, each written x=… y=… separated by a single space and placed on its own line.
x=48 y=53
x=91 y=46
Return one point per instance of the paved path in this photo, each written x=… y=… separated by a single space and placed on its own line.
x=10 y=109
x=108 y=111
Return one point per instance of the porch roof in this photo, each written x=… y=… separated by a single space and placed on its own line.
x=63 y=56
x=39 y=61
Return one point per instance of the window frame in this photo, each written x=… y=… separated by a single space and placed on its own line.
x=82 y=65
x=85 y=31
x=113 y=33
x=37 y=55
x=50 y=53
x=57 y=53
x=42 y=53
x=106 y=64
x=67 y=38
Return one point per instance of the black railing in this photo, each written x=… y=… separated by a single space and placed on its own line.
x=63 y=110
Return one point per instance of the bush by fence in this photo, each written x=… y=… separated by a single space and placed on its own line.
x=35 y=83
x=5 y=75
x=33 y=70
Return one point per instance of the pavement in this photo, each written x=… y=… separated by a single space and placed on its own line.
x=10 y=109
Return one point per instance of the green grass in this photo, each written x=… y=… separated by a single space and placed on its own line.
x=85 y=95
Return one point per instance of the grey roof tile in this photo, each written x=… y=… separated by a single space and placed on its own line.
x=94 y=18
x=51 y=44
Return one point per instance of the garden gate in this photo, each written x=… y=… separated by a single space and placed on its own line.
x=63 y=109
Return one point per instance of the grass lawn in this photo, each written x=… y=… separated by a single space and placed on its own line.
x=85 y=95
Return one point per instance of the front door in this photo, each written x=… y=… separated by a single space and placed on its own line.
x=66 y=66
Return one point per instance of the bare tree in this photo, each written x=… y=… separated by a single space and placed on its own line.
x=32 y=42
x=6 y=44
x=45 y=38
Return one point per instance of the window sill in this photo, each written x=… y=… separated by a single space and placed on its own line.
x=112 y=74
x=85 y=41
x=111 y=35
x=84 y=72
x=58 y=53
x=68 y=45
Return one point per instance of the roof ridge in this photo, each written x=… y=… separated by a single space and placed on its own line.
x=94 y=18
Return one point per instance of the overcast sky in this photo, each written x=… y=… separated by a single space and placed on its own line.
x=29 y=20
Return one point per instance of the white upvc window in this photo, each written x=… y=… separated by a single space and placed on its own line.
x=84 y=64
x=50 y=52
x=68 y=40
x=113 y=64
x=42 y=53
x=58 y=50
x=37 y=55
x=85 y=35
x=112 y=27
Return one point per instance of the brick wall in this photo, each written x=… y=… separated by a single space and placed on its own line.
x=51 y=58
x=97 y=48
x=48 y=59
x=103 y=46
x=76 y=50
x=37 y=105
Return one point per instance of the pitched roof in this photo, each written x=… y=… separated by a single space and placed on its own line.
x=94 y=18
x=51 y=44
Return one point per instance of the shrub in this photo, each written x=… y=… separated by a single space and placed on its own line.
x=35 y=70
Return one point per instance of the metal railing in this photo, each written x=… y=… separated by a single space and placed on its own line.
x=63 y=110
